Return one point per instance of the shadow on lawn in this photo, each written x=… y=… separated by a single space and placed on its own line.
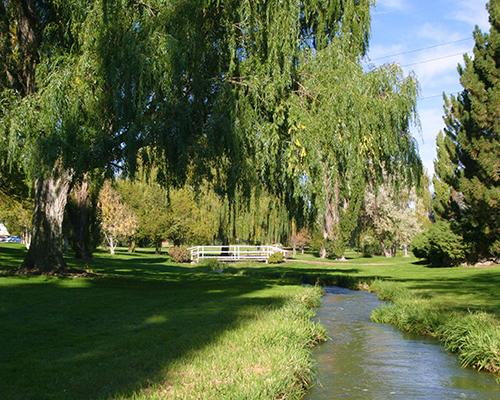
x=485 y=284
x=110 y=336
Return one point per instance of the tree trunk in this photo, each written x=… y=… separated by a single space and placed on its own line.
x=158 y=246
x=131 y=246
x=405 y=250
x=81 y=221
x=322 y=250
x=51 y=194
x=386 y=251
x=26 y=236
x=112 y=245
x=331 y=215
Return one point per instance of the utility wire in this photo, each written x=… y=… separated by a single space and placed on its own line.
x=422 y=48
x=440 y=95
x=434 y=59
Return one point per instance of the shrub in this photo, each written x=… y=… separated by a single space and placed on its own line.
x=420 y=245
x=439 y=245
x=179 y=254
x=214 y=265
x=335 y=248
x=370 y=249
x=276 y=258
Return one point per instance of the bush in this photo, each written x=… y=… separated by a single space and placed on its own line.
x=276 y=258
x=335 y=248
x=371 y=248
x=214 y=265
x=439 y=245
x=179 y=254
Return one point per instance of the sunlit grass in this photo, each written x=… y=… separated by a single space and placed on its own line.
x=144 y=328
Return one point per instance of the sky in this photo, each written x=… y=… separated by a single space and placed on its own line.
x=400 y=26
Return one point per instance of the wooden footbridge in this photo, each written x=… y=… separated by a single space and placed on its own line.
x=232 y=253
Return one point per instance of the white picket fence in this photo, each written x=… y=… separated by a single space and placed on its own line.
x=233 y=253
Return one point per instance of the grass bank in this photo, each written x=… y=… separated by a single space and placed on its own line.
x=459 y=306
x=144 y=328
x=474 y=336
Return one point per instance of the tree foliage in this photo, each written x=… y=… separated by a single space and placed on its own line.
x=242 y=94
x=439 y=245
x=348 y=128
x=392 y=217
x=118 y=221
x=300 y=239
x=467 y=180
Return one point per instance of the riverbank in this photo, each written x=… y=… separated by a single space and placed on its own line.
x=459 y=306
x=474 y=336
x=144 y=328
x=368 y=360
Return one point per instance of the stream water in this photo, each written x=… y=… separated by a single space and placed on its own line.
x=365 y=360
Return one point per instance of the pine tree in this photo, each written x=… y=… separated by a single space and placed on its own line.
x=468 y=164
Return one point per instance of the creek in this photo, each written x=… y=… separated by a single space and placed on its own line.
x=366 y=360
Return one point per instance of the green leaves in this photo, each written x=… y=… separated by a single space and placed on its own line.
x=467 y=169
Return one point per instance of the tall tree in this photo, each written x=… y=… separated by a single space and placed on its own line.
x=467 y=177
x=86 y=84
x=349 y=127
x=203 y=84
x=80 y=221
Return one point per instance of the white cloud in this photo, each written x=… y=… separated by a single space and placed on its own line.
x=437 y=66
x=471 y=12
x=437 y=34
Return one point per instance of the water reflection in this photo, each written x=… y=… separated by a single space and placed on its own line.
x=365 y=360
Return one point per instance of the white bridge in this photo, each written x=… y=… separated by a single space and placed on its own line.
x=234 y=252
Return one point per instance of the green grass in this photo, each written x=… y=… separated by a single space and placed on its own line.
x=455 y=289
x=474 y=336
x=144 y=328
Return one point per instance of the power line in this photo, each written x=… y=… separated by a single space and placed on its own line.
x=439 y=95
x=422 y=48
x=433 y=59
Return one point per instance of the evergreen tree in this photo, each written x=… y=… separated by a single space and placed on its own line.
x=467 y=178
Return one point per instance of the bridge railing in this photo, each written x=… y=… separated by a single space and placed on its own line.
x=233 y=253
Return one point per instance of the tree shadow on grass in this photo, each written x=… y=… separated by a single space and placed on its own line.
x=110 y=336
x=481 y=288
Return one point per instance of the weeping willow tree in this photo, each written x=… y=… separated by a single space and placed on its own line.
x=86 y=85
x=207 y=85
x=266 y=41
x=255 y=218
x=349 y=127
x=64 y=117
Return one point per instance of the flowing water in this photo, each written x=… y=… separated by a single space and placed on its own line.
x=365 y=360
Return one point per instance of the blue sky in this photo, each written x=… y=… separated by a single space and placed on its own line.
x=403 y=25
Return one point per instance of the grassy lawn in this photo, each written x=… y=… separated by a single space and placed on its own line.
x=456 y=289
x=146 y=328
